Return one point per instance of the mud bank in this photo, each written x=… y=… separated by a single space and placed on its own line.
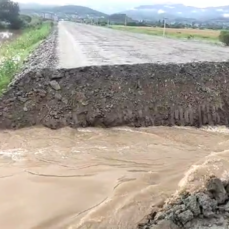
x=207 y=208
x=132 y=95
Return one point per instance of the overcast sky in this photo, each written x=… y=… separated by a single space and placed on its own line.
x=94 y=3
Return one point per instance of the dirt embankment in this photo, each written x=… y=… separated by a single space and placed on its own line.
x=132 y=95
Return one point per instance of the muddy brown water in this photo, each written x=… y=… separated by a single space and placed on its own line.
x=101 y=178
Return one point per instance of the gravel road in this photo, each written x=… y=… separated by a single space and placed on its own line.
x=85 y=45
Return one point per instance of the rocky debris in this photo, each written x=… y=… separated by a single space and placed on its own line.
x=208 y=208
x=56 y=76
x=217 y=189
x=185 y=216
x=165 y=224
x=54 y=84
x=192 y=203
x=207 y=204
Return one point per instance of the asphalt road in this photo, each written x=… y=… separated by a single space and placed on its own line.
x=86 y=45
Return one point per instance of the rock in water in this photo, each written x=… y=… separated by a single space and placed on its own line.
x=165 y=224
x=216 y=188
x=192 y=204
x=207 y=204
x=185 y=217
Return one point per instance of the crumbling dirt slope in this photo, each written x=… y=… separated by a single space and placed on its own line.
x=131 y=95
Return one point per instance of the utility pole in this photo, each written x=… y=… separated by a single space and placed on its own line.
x=164 y=27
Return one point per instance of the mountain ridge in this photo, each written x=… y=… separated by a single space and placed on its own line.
x=176 y=11
x=80 y=11
x=141 y=12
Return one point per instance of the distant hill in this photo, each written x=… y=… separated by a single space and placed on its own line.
x=144 y=12
x=79 y=11
x=119 y=18
x=171 y=11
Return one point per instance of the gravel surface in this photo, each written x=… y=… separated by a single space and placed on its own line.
x=85 y=45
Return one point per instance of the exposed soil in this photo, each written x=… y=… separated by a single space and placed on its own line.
x=108 y=96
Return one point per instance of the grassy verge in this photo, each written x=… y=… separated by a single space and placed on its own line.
x=208 y=35
x=13 y=54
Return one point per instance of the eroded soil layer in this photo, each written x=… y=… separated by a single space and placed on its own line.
x=133 y=95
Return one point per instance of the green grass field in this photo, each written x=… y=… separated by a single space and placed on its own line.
x=14 y=53
x=210 y=35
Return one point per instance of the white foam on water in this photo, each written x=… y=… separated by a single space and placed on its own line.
x=216 y=163
x=86 y=130
x=213 y=165
x=216 y=129
x=13 y=154
x=6 y=35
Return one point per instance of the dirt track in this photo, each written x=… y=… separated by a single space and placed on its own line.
x=85 y=45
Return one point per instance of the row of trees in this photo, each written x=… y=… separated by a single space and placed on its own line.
x=9 y=14
x=180 y=25
x=160 y=23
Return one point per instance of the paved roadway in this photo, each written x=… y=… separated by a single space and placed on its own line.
x=85 y=45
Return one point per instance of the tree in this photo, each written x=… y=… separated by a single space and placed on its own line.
x=9 y=12
x=224 y=37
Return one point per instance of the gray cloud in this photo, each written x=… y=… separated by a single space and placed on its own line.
x=115 y=5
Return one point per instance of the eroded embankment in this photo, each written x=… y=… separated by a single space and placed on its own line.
x=133 y=95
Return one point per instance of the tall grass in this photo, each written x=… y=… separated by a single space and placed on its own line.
x=13 y=54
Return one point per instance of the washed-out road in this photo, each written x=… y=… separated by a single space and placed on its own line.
x=95 y=178
x=86 y=45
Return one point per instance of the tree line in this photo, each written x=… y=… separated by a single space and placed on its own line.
x=10 y=15
x=175 y=25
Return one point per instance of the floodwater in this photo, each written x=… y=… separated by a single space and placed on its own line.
x=8 y=35
x=101 y=178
